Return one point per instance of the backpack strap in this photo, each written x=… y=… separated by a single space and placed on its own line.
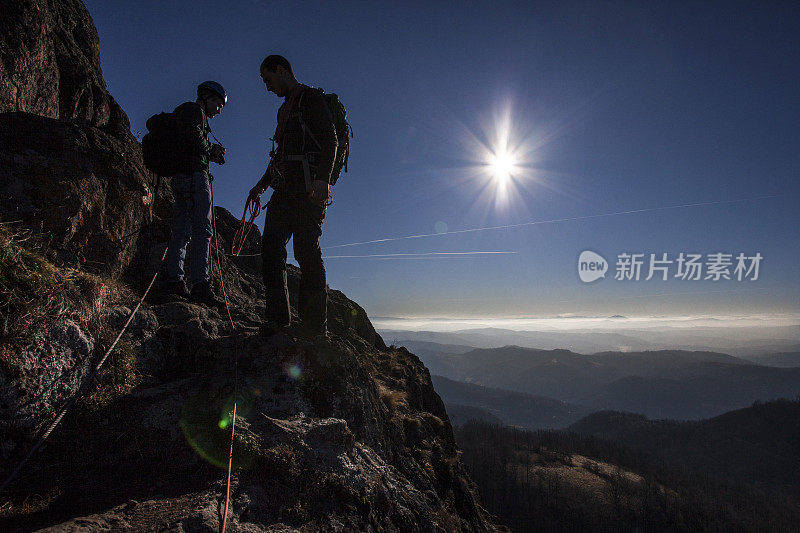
x=306 y=168
x=302 y=157
x=292 y=102
x=303 y=125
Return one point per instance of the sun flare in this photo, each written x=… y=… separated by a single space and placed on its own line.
x=501 y=160
x=501 y=166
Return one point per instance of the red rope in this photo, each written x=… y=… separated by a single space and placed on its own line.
x=253 y=206
x=235 y=358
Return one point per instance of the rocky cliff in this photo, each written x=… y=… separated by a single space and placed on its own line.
x=70 y=169
x=343 y=434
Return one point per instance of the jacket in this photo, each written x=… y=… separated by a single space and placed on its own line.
x=193 y=125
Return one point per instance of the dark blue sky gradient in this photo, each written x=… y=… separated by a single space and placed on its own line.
x=621 y=106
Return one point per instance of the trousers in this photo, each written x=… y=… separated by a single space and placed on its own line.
x=294 y=216
x=191 y=221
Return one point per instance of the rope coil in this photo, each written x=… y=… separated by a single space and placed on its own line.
x=253 y=207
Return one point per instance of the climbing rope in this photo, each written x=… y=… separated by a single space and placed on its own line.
x=68 y=405
x=252 y=206
x=235 y=351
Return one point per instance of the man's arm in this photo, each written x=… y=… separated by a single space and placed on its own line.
x=262 y=184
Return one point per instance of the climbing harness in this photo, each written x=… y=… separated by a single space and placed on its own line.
x=277 y=157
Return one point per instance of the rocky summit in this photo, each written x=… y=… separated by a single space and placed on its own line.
x=331 y=434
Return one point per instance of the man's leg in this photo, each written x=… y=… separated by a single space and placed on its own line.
x=277 y=231
x=201 y=228
x=181 y=228
x=312 y=299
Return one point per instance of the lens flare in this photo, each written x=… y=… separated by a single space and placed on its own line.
x=206 y=420
x=295 y=371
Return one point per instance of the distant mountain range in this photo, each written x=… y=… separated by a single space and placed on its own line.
x=757 y=444
x=660 y=384
x=465 y=401
x=783 y=359
x=743 y=341
x=461 y=414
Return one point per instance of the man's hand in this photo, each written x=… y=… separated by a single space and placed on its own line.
x=217 y=154
x=319 y=192
x=256 y=192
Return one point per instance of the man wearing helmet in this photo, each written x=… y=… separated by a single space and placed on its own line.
x=299 y=171
x=192 y=190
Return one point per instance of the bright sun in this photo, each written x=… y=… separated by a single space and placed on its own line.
x=501 y=165
x=500 y=160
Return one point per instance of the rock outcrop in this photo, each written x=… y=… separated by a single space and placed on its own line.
x=50 y=65
x=70 y=169
x=332 y=435
x=81 y=192
x=336 y=434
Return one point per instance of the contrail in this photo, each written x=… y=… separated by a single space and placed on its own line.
x=414 y=255
x=554 y=220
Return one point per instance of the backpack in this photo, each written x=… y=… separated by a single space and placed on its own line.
x=343 y=133
x=163 y=149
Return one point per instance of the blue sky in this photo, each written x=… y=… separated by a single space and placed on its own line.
x=613 y=107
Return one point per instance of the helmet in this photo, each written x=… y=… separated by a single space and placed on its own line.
x=215 y=88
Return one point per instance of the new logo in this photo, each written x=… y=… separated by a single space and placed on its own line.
x=591 y=266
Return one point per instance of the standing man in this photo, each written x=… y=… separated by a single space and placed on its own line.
x=192 y=190
x=303 y=155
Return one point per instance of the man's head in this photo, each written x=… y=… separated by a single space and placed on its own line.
x=212 y=96
x=276 y=71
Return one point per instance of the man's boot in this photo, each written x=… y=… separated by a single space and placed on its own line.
x=178 y=288
x=268 y=329
x=202 y=294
